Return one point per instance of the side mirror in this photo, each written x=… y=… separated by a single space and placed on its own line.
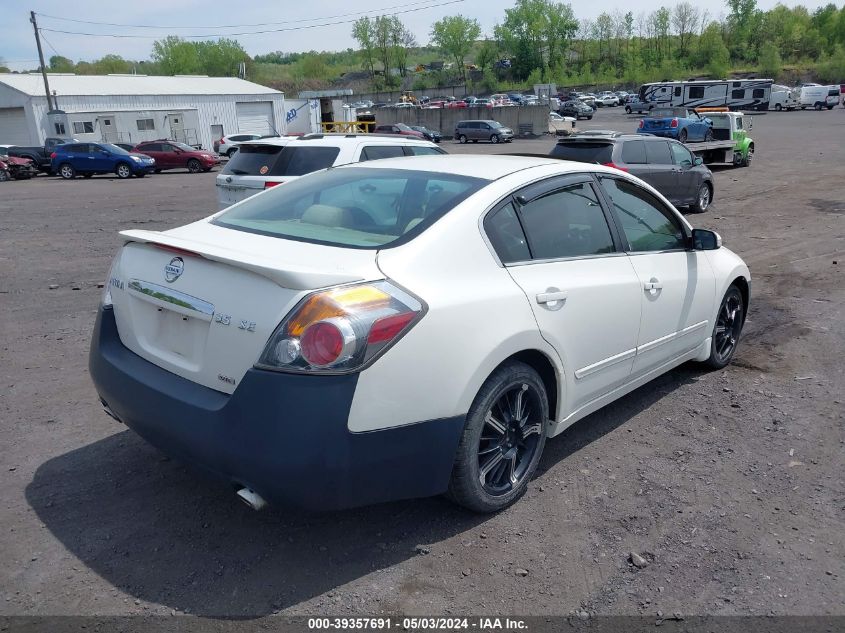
x=704 y=240
x=698 y=161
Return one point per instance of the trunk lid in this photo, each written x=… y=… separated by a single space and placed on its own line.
x=202 y=301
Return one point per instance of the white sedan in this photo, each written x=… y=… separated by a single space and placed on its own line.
x=407 y=327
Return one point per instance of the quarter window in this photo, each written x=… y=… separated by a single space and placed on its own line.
x=424 y=151
x=506 y=235
x=647 y=224
x=566 y=223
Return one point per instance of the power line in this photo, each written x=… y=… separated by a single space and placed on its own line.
x=43 y=37
x=234 y=26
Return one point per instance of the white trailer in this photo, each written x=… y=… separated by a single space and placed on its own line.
x=735 y=94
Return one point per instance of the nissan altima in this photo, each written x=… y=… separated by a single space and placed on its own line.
x=407 y=327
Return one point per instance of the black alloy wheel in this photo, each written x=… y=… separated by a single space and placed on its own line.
x=728 y=328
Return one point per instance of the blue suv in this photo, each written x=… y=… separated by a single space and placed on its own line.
x=88 y=159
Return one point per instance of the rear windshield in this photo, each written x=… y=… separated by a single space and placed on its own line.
x=599 y=153
x=275 y=160
x=352 y=207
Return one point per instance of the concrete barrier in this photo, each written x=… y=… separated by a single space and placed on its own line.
x=523 y=120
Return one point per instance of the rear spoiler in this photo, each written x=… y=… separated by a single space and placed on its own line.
x=291 y=276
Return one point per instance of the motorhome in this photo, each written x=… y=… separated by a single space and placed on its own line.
x=738 y=94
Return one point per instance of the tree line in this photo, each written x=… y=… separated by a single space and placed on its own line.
x=535 y=41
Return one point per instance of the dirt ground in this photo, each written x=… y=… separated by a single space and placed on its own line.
x=729 y=485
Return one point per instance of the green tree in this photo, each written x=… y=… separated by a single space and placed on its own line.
x=771 y=64
x=713 y=54
x=59 y=64
x=487 y=55
x=455 y=36
x=111 y=64
x=176 y=56
x=363 y=30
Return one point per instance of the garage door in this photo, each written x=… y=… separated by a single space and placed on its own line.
x=255 y=116
x=13 y=128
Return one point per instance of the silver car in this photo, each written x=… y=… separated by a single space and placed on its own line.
x=482 y=130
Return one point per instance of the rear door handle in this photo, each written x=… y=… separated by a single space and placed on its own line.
x=652 y=285
x=552 y=295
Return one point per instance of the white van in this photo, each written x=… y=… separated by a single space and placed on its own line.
x=819 y=97
x=783 y=98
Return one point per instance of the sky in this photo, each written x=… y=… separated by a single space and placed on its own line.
x=205 y=17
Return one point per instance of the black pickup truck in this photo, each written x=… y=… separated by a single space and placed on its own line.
x=40 y=155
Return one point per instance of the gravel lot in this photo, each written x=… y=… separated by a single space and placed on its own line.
x=729 y=485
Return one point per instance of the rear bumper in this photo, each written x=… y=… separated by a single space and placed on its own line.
x=283 y=435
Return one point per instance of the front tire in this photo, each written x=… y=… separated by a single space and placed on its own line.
x=704 y=198
x=778 y=107
x=502 y=441
x=494 y=138
x=682 y=135
x=123 y=171
x=749 y=155
x=67 y=171
x=818 y=107
x=627 y=109
x=727 y=329
x=5 y=176
x=194 y=166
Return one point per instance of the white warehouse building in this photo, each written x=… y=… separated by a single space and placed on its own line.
x=132 y=108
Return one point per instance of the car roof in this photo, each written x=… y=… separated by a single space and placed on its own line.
x=333 y=140
x=487 y=167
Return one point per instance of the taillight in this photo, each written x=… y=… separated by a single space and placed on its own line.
x=105 y=299
x=53 y=155
x=269 y=184
x=341 y=329
x=674 y=123
x=615 y=166
x=641 y=124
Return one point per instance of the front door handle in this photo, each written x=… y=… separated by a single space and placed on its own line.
x=552 y=295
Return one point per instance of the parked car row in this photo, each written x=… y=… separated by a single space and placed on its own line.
x=88 y=159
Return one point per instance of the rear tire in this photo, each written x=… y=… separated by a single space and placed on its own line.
x=727 y=329
x=627 y=109
x=818 y=107
x=232 y=152
x=778 y=107
x=67 y=171
x=158 y=171
x=462 y=139
x=123 y=171
x=140 y=175
x=708 y=136
x=502 y=441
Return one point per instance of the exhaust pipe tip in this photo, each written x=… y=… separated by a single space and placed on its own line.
x=252 y=499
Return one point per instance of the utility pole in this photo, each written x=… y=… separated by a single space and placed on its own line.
x=50 y=103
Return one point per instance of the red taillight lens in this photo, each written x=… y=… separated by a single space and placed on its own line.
x=615 y=166
x=269 y=184
x=641 y=124
x=53 y=155
x=674 y=123
x=321 y=343
x=341 y=329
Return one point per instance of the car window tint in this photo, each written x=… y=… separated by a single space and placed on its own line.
x=254 y=160
x=682 y=154
x=305 y=160
x=584 y=152
x=647 y=224
x=658 y=153
x=374 y=152
x=354 y=206
x=505 y=234
x=633 y=152
x=566 y=223
x=424 y=151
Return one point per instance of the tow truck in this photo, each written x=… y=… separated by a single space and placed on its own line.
x=731 y=143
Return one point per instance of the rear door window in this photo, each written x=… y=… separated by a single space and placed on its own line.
x=633 y=152
x=592 y=152
x=375 y=152
x=658 y=153
x=304 y=160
